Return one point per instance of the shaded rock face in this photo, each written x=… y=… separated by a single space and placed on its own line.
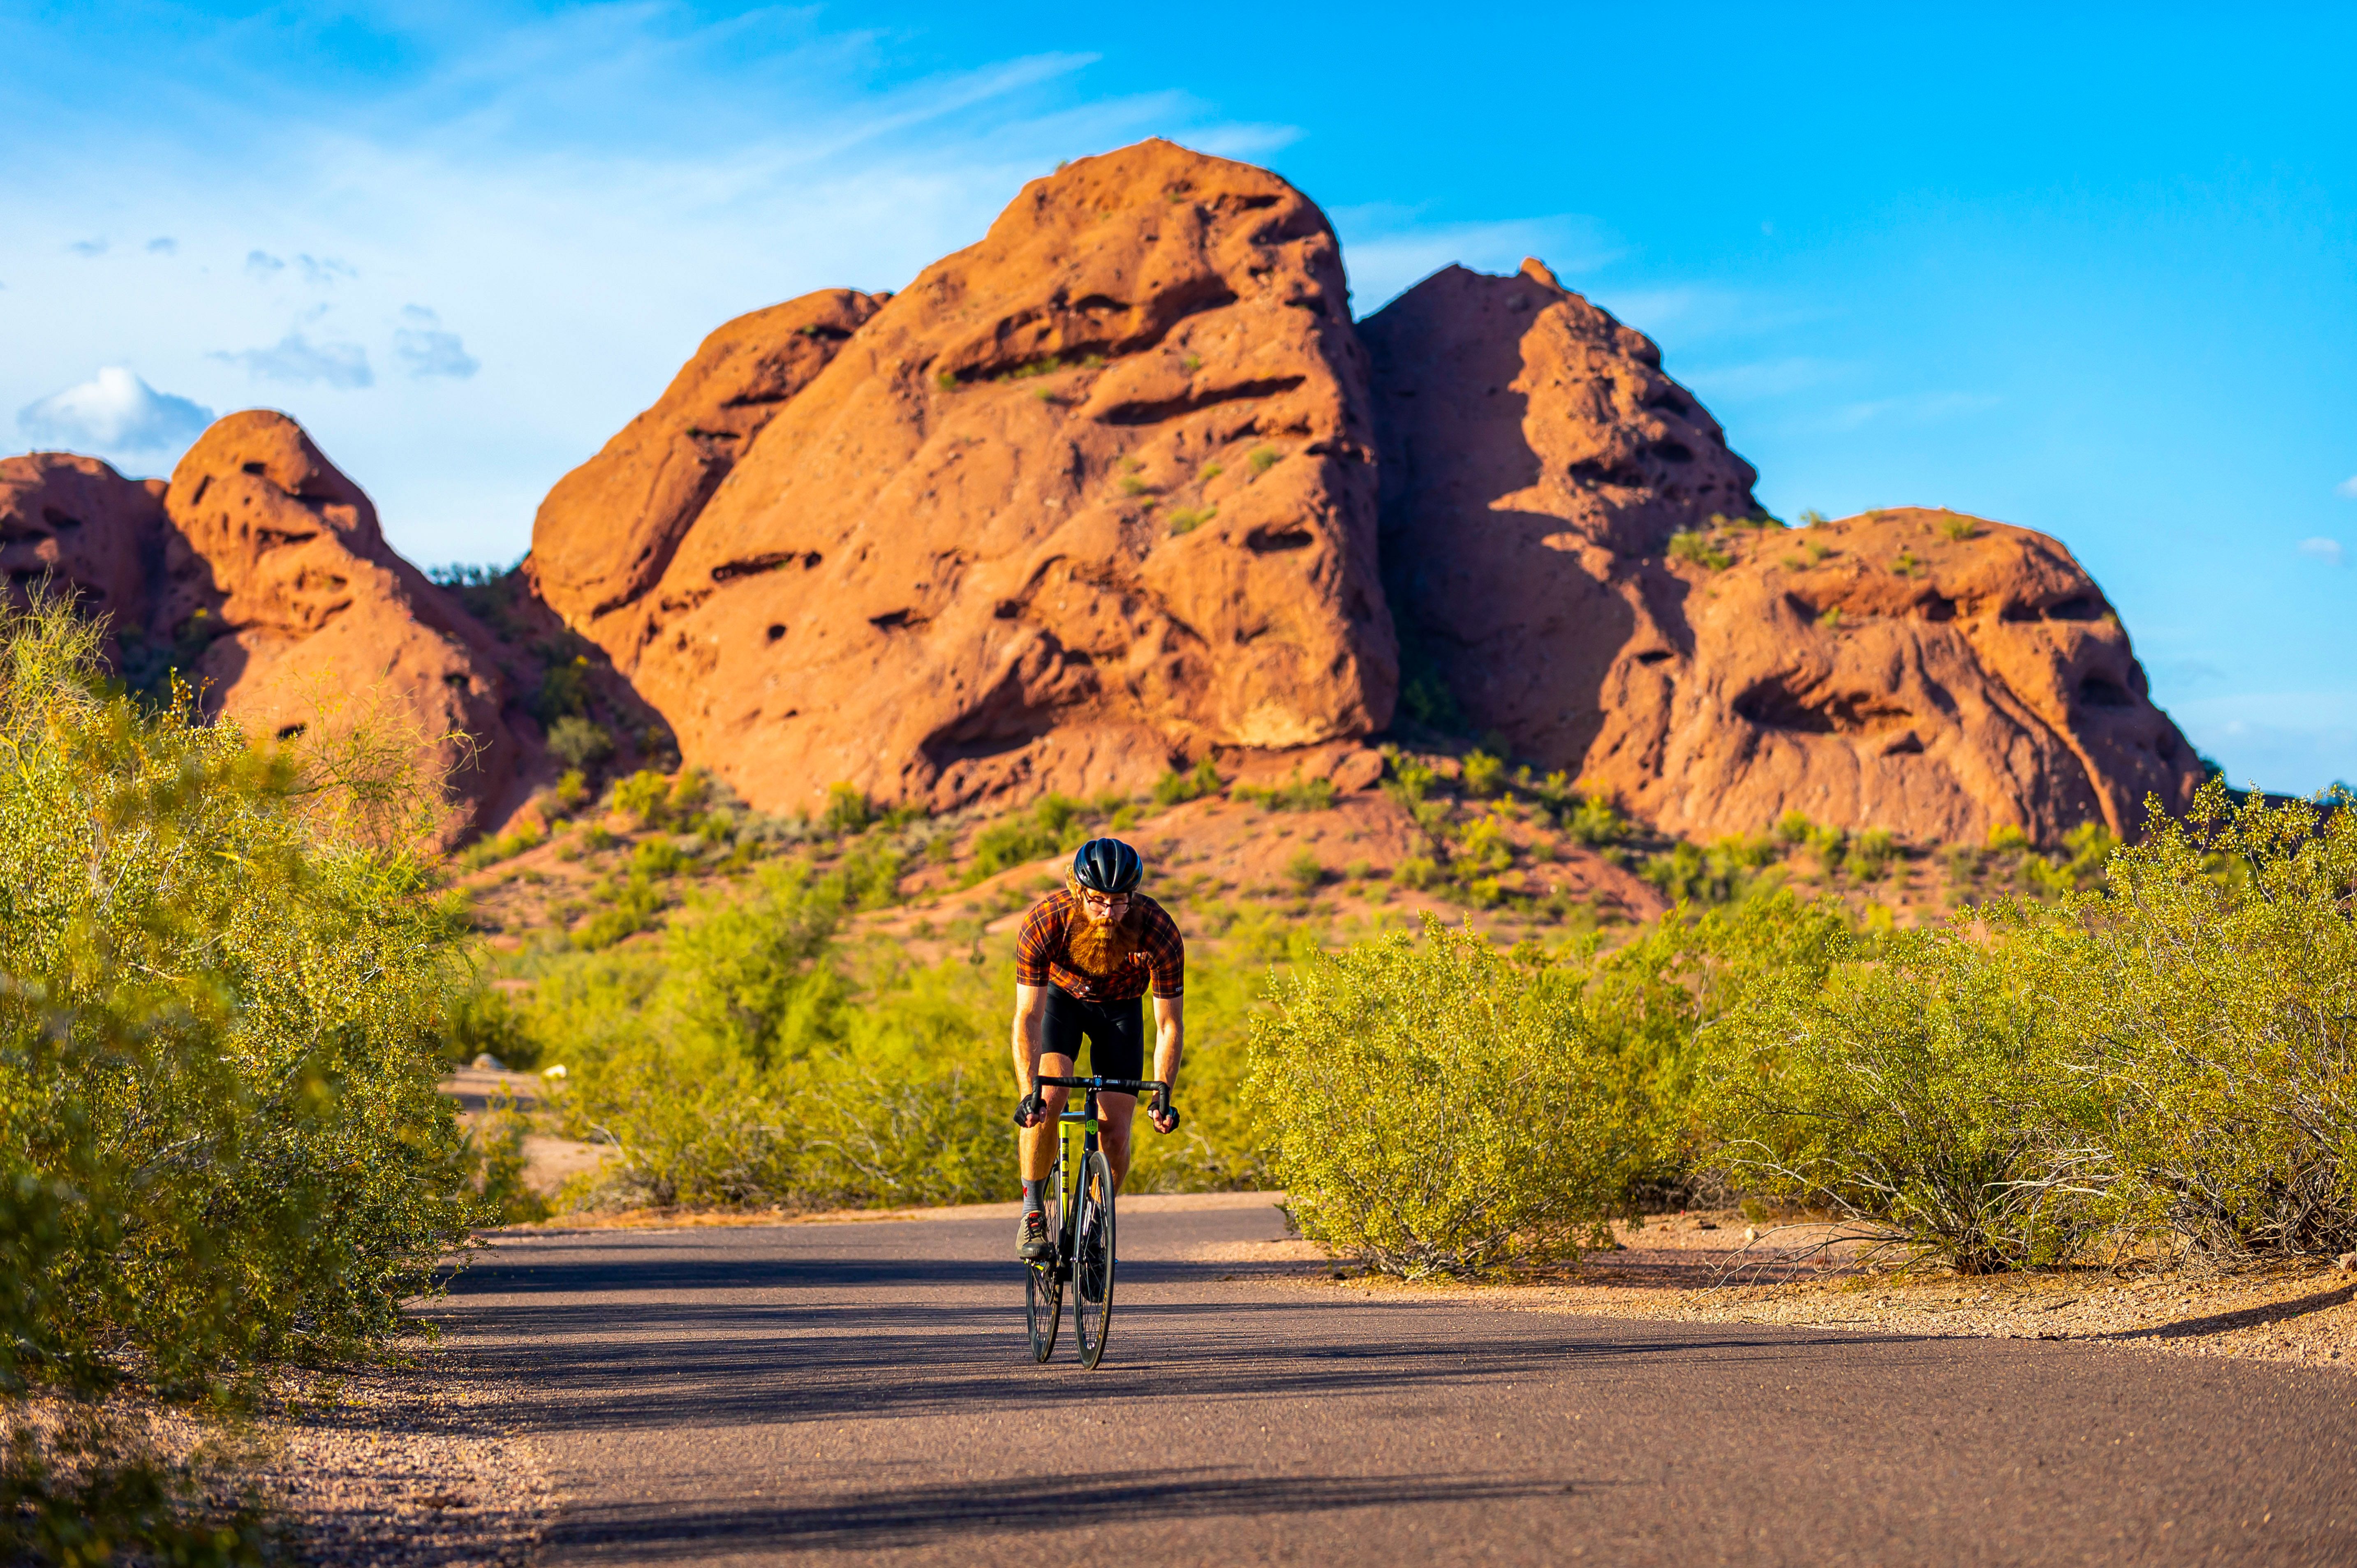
x=1094 y=493
x=272 y=562
x=77 y=524
x=607 y=533
x=1934 y=675
x=1535 y=458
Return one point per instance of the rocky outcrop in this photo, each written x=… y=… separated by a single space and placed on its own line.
x=274 y=562
x=77 y=525
x=607 y=533
x=1094 y=493
x=1927 y=673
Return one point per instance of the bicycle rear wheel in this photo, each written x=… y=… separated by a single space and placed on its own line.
x=1093 y=1263
x=1043 y=1292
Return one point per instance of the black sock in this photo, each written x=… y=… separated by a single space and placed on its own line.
x=1034 y=1196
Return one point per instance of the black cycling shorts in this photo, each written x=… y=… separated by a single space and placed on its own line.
x=1116 y=1031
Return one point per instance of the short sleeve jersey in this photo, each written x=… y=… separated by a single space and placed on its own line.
x=1043 y=956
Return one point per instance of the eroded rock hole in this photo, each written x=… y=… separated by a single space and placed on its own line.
x=1266 y=542
x=1672 y=451
x=776 y=631
x=2103 y=692
x=56 y=519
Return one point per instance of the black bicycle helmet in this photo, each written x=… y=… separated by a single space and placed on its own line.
x=1107 y=865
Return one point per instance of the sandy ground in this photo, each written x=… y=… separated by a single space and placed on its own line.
x=424 y=1466
x=1701 y=1268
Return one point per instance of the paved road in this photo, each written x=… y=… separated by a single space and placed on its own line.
x=823 y=1393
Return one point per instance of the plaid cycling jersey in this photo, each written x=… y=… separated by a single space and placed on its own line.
x=1043 y=957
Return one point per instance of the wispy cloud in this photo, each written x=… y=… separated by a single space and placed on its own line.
x=163 y=245
x=2328 y=550
x=87 y=248
x=295 y=359
x=323 y=270
x=2347 y=489
x=115 y=411
x=263 y=264
x=430 y=350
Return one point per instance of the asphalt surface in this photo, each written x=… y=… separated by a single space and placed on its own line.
x=821 y=1393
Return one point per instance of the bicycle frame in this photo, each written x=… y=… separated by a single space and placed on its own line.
x=1077 y=1141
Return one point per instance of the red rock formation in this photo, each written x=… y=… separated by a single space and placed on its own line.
x=83 y=528
x=277 y=558
x=1094 y=491
x=606 y=533
x=1932 y=675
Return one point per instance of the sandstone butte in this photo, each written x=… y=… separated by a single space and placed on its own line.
x=1917 y=671
x=1122 y=484
x=1093 y=494
x=261 y=571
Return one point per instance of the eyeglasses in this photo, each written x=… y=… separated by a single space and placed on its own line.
x=1106 y=900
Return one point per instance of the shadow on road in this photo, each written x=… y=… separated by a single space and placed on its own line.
x=920 y=1515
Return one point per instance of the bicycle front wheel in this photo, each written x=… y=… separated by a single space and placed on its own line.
x=1092 y=1261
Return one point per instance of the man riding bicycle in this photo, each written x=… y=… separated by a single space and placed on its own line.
x=1086 y=956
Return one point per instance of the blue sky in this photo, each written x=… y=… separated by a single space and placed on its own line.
x=2095 y=274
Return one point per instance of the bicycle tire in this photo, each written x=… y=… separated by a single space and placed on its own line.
x=1092 y=1262
x=1043 y=1292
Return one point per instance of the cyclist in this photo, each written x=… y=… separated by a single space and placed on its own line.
x=1087 y=954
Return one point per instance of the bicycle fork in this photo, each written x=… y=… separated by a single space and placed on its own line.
x=1072 y=1151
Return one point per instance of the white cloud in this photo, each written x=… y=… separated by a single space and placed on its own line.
x=87 y=248
x=263 y=264
x=297 y=359
x=2347 y=489
x=2328 y=550
x=322 y=270
x=162 y=246
x=115 y=411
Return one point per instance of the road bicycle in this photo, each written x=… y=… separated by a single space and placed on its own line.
x=1079 y=1210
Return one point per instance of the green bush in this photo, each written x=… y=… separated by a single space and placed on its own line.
x=1917 y=1093
x=1484 y=774
x=222 y=989
x=1595 y=824
x=578 y=742
x=1305 y=871
x=645 y=795
x=1432 y=1108
x=2213 y=998
x=1175 y=788
x=1700 y=549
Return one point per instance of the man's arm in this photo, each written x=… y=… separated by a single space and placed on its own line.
x=1169 y=1046
x=1030 y=1037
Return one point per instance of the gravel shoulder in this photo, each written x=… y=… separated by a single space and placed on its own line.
x=1670 y=1268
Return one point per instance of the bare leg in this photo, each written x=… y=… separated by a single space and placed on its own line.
x=1113 y=1113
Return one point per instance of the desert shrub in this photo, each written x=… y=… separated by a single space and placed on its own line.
x=485 y=1021
x=572 y=791
x=1595 y=824
x=223 y=980
x=578 y=742
x=1261 y=459
x=644 y=795
x=1793 y=829
x=2213 y=996
x=1054 y=824
x=1415 y=871
x=1175 y=788
x=563 y=693
x=1698 y=548
x=1188 y=518
x=1295 y=794
x=1484 y=774
x=1720 y=875
x=847 y=810
x=529 y=833
x=1870 y=855
x=1920 y=1097
x=1305 y=871
x=1483 y=846
x=1433 y=1109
